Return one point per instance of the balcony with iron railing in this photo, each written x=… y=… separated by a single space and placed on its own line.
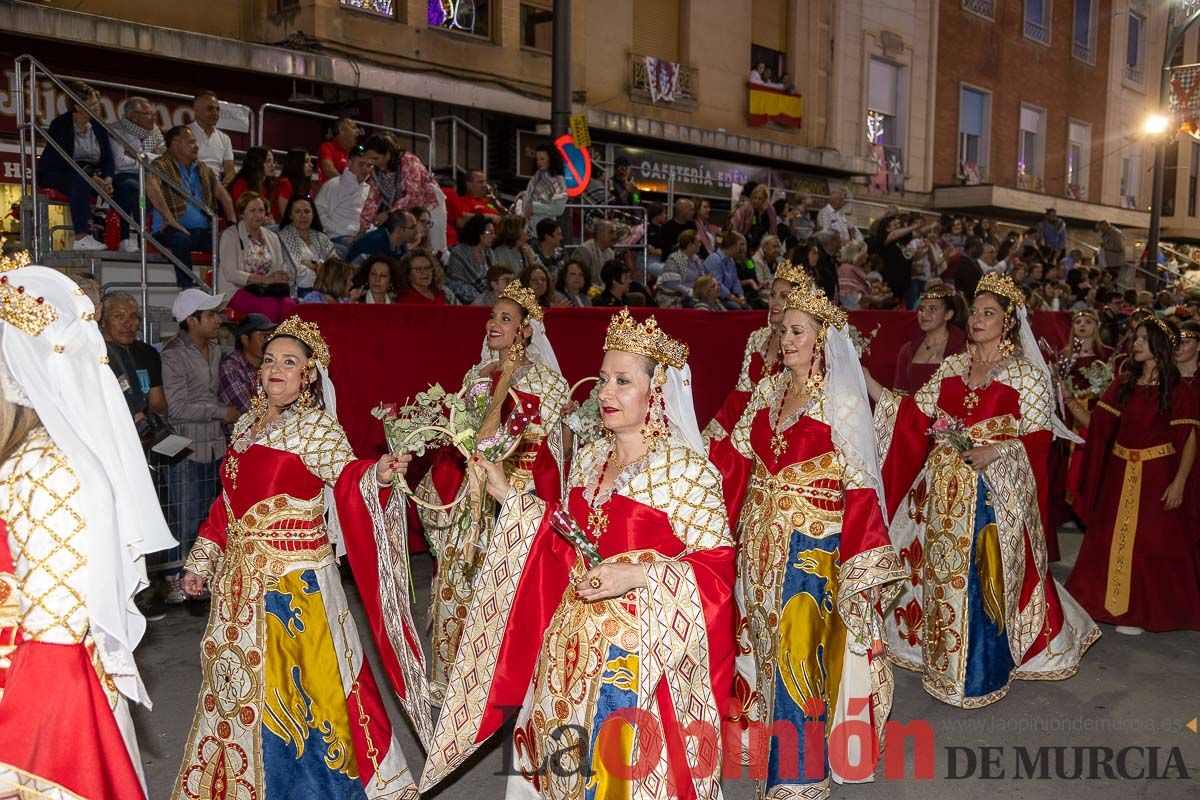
x=1134 y=73
x=687 y=87
x=983 y=8
x=1037 y=31
x=1083 y=52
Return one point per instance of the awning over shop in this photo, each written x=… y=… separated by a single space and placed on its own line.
x=1005 y=202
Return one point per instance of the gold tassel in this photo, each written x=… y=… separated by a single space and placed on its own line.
x=991 y=573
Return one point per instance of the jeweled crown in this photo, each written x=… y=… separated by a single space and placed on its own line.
x=811 y=300
x=939 y=292
x=307 y=332
x=28 y=314
x=17 y=260
x=644 y=338
x=1002 y=286
x=523 y=297
x=787 y=271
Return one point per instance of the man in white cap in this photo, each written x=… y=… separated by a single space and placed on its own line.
x=191 y=366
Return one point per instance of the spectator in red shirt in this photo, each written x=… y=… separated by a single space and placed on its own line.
x=256 y=175
x=334 y=153
x=476 y=198
x=295 y=178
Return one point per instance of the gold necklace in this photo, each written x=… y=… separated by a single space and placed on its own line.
x=597 y=519
x=778 y=441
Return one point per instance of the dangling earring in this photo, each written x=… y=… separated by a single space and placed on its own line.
x=516 y=352
x=655 y=429
x=305 y=401
x=1007 y=346
x=816 y=377
x=258 y=402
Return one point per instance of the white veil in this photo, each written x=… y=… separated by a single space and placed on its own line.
x=681 y=411
x=333 y=526
x=1031 y=351
x=848 y=410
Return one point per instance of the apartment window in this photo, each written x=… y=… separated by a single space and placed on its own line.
x=656 y=29
x=884 y=104
x=974 y=124
x=1031 y=148
x=383 y=8
x=1079 y=158
x=1083 y=46
x=1193 y=170
x=1135 y=48
x=1131 y=173
x=1037 y=20
x=769 y=39
x=537 y=25
x=464 y=16
x=982 y=8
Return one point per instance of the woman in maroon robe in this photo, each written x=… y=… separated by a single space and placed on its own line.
x=939 y=319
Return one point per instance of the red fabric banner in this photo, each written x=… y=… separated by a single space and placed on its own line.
x=388 y=353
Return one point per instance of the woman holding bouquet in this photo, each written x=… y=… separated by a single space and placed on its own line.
x=288 y=704
x=1138 y=566
x=762 y=352
x=802 y=480
x=618 y=613
x=516 y=356
x=980 y=607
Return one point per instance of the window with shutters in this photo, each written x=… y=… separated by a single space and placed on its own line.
x=656 y=29
x=884 y=104
x=1131 y=173
x=1031 y=147
x=1079 y=156
x=974 y=133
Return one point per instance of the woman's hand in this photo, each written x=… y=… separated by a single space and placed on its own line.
x=279 y=276
x=606 y=581
x=392 y=466
x=979 y=457
x=194 y=585
x=357 y=294
x=874 y=388
x=497 y=481
x=1173 y=497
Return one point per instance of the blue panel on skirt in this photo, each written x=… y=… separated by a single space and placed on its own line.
x=618 y=689
x=989 y=659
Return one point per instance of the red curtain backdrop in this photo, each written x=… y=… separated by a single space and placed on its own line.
x=388 y=353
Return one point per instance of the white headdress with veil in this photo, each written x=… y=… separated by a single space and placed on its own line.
x=538 y=350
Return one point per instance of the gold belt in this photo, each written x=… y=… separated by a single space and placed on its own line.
x=1120 y=556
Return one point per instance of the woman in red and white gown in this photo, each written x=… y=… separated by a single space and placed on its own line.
x=80 y=514
x=762 y=353
x=582 y=648
x=516 y=336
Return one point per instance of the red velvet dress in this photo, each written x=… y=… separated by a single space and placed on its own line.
x=909 y=376
x=754 y=369
x=530 y=643
x=1132 y=454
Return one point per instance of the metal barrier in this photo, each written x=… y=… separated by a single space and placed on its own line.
x=27 y=115
x=301 y=112
x=637 y=215
x=455 y=123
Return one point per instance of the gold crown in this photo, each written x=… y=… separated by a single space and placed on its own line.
x=25 y=313
x=629 y=336
x=811 y=300
x=787 y=271
x=307 y=332
x=1170 y=332
x=1002 y=286
x=17 y=260
x=523 y=297
x=939 y=292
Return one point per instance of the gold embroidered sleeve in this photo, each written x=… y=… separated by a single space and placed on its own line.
x=687 y=488
x=1037 y=405
x=324 y=447
x=47 y=535
x=927 y=396
x=552 y=389
x=1116 y=412
x=205 y=558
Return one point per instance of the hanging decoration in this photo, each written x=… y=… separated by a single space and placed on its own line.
x=662 y=79
x=1185 y=100
x=384 y=8
x=456 y=15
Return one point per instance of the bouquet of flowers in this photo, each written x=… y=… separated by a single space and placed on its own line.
x=564 y=525
x=862 y=344
x=584 y=421
x=437 y=418
x=1099 y=375
x=952 y=432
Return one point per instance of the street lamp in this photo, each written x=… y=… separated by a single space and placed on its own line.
x=1156 y=125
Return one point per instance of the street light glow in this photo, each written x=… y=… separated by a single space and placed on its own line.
x=1155 y=124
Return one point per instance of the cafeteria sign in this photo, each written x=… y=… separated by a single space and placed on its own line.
x=656 y=171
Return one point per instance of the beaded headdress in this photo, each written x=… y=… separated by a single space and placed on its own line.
x=307 y=332
x=1002 y=286
x=28 y=314
x=1170 y=332
x=787 y=271
x=523 y=297
x=811 y=300
x=629 y=336
x=1188 y=333
x=1090 y=313
x=939 y=292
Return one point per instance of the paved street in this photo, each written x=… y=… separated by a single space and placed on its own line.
x=1131 y=692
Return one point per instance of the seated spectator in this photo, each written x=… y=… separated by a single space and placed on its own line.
x=333 y=156
x=706 y=294
x=424 y=280
x=879 y=294
x=545 y=197
x=684 y=219
x=656 y=217
x=512 y=243
x=573 y=282
x=617 y=279
x=537 y=279
x=384 y=152
x=252 y=260
x=680 y=272
x=765 y=258
x=86 y=143
x=475 y=198
x=256 y=175
x=549 y=245
x=597 y=251
x=295 y=178
x=800 y=220
x=334 y=284
x=120 y=322
x=466 y=274
x=756 y=219
x=215 y=147
x=393 y=238
x=137 y=138
x=722 y=265
x=305 y=246
x=238 y=374
x=708 y=233
x=852 y=277
x=379 y=278
x=498 y=277
x=178 y=223
x=424 y=226
x=341 y=199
